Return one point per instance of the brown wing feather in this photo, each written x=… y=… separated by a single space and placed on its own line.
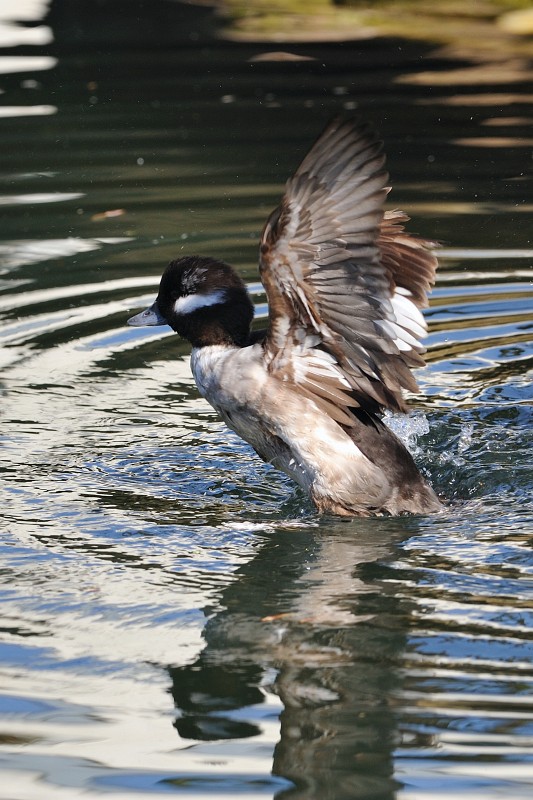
x=410 y=260
x=330 y=261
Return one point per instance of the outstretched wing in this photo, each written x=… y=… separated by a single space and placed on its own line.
x=344 y=281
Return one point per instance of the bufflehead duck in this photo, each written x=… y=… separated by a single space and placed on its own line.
x=344 y=284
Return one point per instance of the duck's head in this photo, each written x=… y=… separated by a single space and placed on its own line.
x=202 y=299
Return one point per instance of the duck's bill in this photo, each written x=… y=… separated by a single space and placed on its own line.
x=151 y=316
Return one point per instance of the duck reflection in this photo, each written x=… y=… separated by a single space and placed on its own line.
x=315 y=612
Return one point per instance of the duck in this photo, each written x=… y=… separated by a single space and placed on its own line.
x=345 y=285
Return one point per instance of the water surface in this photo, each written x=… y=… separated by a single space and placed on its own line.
x=176 y=618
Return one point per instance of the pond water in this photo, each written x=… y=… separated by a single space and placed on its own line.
x=176 y=618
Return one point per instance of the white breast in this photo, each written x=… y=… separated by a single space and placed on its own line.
x=265 y=412
x=229 y=376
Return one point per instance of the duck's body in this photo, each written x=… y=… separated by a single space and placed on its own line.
x=344 y=283
x=357 y=470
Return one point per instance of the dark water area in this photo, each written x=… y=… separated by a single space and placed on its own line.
x=176 y=617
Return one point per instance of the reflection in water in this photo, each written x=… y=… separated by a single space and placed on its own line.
x=309 y=617
x=343 y=656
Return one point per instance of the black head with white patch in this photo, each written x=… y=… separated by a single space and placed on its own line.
x=202 y=299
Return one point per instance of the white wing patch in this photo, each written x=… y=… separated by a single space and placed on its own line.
x=409 y=325
x=310 y=363
x=192 y=302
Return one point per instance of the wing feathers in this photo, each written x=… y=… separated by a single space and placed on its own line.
x=344 y=278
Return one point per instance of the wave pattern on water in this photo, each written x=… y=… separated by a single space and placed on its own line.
x=177 y=619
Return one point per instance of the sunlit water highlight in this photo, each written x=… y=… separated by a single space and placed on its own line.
x=176 y=618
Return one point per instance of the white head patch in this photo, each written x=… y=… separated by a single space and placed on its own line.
x=192 y=302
